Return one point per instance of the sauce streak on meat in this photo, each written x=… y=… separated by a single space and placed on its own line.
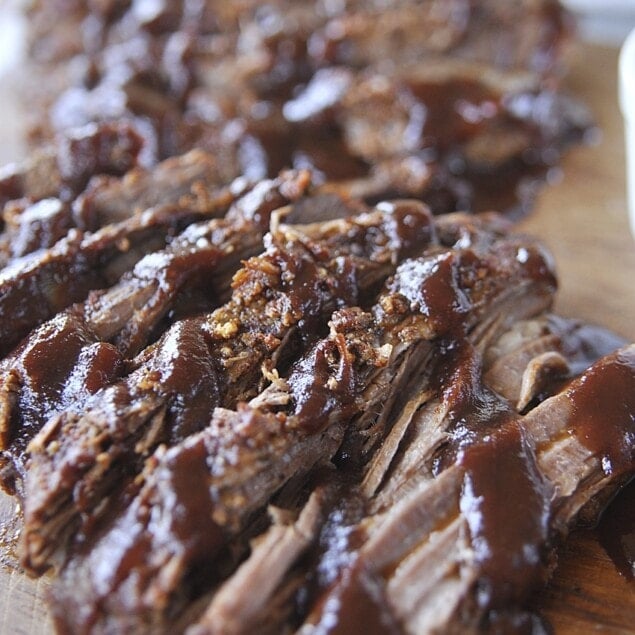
x=608 y=395
x=318 y=391
x=358 y=606
x=506 y=503
x=457 y=109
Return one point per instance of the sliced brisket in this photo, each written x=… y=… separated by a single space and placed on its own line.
x=281 y=302
x=304 y=417
x=120 y=321
x=440 y=555
x=387 y=96
x=35 y=287
x=287 y=404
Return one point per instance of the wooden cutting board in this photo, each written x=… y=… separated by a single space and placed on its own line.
x=583 y=221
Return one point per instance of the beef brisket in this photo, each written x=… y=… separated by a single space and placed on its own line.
x=35 y=287
x=280 y=302
x=449 y=526
x=257 y=373
x=120 y=321
x=416 y=307
x=370 y=357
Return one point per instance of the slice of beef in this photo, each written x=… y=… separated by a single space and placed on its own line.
x=323 y=393
x=520 y=35
x=31 y=226
x=473 y=120
x=440 y=557
x=109 y=200
x=281 y=302
x=35 y=287
x=536 y=357
x=120 y=321
x=64 y=168
x=244 y=602
x=467 y=296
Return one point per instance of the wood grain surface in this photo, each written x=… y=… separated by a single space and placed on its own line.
x=583 y=221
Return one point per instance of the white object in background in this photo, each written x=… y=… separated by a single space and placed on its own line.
x=13 y=29
x=12 y=50
x=627 y=104
x=603 y=21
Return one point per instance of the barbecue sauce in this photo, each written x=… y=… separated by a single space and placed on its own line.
x=456 y=109
x=168 y=520
x=607 y=393
x=323 y=383
x=60 y=364
x=347 y=598
x=185 y=373
x=506 y=504
x=358 y=605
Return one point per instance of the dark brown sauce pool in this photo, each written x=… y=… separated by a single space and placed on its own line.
x=616 y=531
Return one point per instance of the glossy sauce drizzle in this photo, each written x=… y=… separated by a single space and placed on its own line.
x=606 y=393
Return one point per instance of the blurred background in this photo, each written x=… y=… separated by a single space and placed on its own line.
x=604 y=22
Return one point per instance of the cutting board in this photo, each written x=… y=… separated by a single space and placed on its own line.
x=583 y=221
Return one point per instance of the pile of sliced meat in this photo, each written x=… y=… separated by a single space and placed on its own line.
x=455 y=102
x=301 y=413
x=257 y=374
